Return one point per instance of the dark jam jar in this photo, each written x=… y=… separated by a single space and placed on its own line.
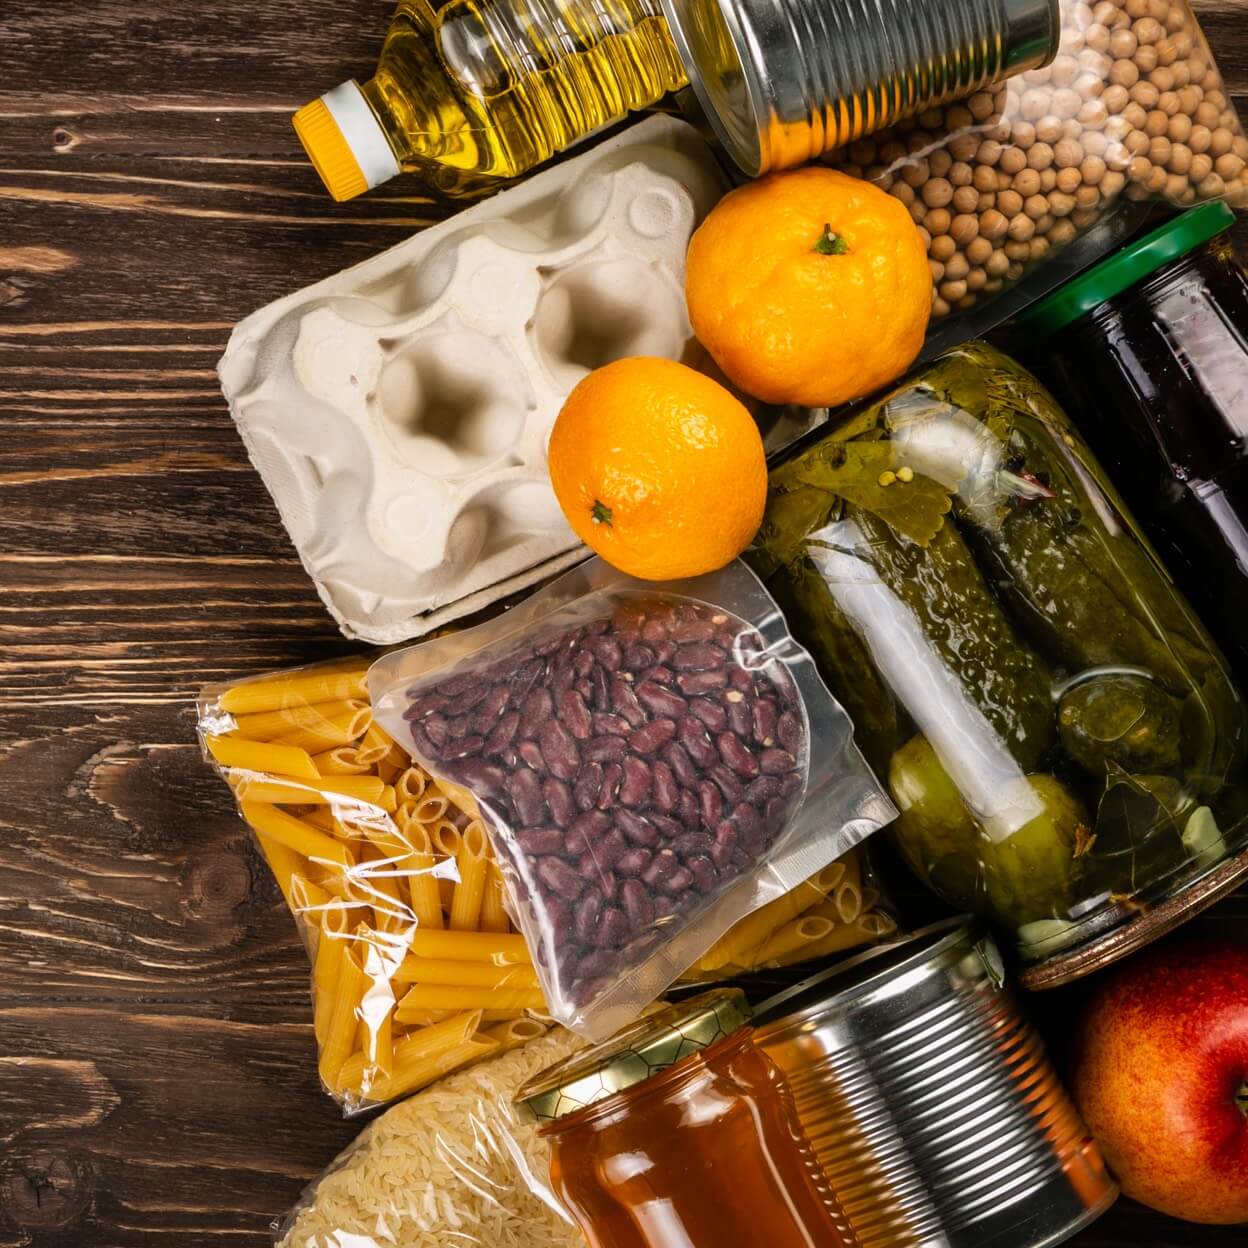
x=1148 y=353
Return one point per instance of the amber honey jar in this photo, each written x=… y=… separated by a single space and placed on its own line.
x=680 y=1132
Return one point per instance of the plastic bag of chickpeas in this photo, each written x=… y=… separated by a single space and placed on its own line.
x=1131 y=108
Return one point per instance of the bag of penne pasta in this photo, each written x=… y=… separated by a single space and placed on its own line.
x=651 y=763
x=417 y=970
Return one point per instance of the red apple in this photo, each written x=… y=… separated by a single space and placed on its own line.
x=1161 y=1077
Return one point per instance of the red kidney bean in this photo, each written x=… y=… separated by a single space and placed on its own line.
x=790 y=784
x=605 y=749
x=421 y=704
x=663 y=906
x=560 y=750
x=712 y=714
x=634 y=862
x=789 y=732
x=608 y=725
x=492 y=706
x=693 y=843
x=559 y=921
x=677 y=882
x=627 y=617
x=775 y=810
x=661 y=866
x=574 y=715
x=424 y=745
x=725 y=845
x=740 y=719
x=609 y=849
x=697 y=743
x=690 y=809
x=560 y=878
x=532 y=754
x=775 y=762
x=705 y=876
x=741 y=681
x=437 y=729
x=660 y=701
x=624 y=702
x=585 y=830
x=635 y=898
x=665 y=792
x=711 y=803
x=602 y=690
x=462 y=703
x=612 y=775
x=583 y=663
x=762 y=790
x=726 y=782
x=655 y=629
x=765 y=721
x=746 y=818
x=606 y=650
x=587 y=911
x=609 y=883
x=538 y=842
x=737 y=755
x=651 y=737
x=559 y=800
x=589 y=965
x=698 y=656
x=524 y=787
x=664 y=650
x=503 y=733
x=526 y=676
x=458 y=727
x=588 y=786
x=462 y=748
x=635 y=787
x=638 y=830
x=694 y=630
x=666 y=825
x=638 y=657
x=702 y=682
x=677 y=758
x=612 y=928
x=658 y=675
x=536 y=709
x=548 y=645
x=562 y=678
x=482 y=777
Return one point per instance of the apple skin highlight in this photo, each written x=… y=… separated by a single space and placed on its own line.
x=1161 y=1078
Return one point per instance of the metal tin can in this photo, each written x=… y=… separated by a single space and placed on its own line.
x=783 y=81
x=934 y=1113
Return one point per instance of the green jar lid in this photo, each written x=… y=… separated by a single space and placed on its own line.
x=1124 y=268
x=633 y=1055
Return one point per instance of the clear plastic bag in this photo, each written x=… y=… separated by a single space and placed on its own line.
x=451 y=1165
x=416 y=969
x=653 y=761
x=1132 y=106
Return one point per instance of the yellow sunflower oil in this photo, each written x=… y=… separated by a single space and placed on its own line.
x=482 y=90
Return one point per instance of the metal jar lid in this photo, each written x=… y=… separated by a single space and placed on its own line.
x=783 y=81
x=649 y=1046
x=928 y=1101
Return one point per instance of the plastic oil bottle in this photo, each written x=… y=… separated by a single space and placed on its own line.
x=486 y=89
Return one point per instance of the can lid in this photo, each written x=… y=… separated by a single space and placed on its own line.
x=1125 y=267
x=650 y=1045
x=345 y=142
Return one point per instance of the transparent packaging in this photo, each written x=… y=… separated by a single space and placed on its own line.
x=1059 y=731
x=652 y=761
x=451 y=1165
x=416 y=968
x=1132 y=108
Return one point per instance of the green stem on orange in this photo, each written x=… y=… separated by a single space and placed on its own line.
x=830 y=243
x=600 y=513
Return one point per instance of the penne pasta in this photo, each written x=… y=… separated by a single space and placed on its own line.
x=407 y=1077
x=419 y=1018
x=342 y=760
x=473 y=864
x=388 y=772
x=459 y=797
x=339 y=729
x=375 y=745
x=498 y=949
x=422 y=884
x=793 y=939
x=284 y=862
x=298 y=689
x=847 y=896
x=273 y=725
x=326 y=964
x=840 y=939
x=295 y=834
x=466 y=974
x=344 y=1015
x=494 y=917
x=515 y=1032
x=262 y=756
x=411 y=785
x=429 y=810
x=452 y=997
x=418 y=1046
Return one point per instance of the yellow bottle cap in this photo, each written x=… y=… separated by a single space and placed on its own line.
x=345 y=142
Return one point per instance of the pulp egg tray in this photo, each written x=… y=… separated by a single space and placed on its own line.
x=399 y=411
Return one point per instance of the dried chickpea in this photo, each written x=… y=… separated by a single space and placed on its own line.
x=964 y=228
x=1013 y=160
x=1095 y=144
x=1115 y=98
x=1015 y=271
x=1087 y=197
x=1084 y=217
x=980 y=105
x=979 y=249
x=1220 y=142
x=1112 y=183
x=1180 y=158
x=985 y=178
x=1048 y=180
x=937 y=192
x=966 y=199
x=938 y=162
x=917 y=210
x=1010 y=202
x=938 y=220
x=958 y=267
x=1021 y=228
x=1062 y=232
x=1211 y=186
x=1145 y=95
x=940 y=308
x=976 y=279
x=965 y=146
x=1037 y=248
x=993 y=224
x=1035 y=206
x=997 y=263
x=1146 y=59
x=1228 y=166
x=1027 y=183
x=1159 y=150
x=1180 y=128
x=942 y=248
x=1092 y=170
x=1124 y=74
x=902 y=191
x=938 y=270
x=1156 y=123
x=952 y=291
x=1069 y=180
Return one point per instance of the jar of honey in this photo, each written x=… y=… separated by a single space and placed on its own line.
x=678 y=1133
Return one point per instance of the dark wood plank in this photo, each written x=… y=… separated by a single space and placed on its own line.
x=156 y=1075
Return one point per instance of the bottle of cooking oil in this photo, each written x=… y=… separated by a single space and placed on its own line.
x=486 y=89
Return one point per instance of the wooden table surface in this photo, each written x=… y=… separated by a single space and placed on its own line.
x=157 y=1082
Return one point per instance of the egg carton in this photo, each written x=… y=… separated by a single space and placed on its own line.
x=399 y=411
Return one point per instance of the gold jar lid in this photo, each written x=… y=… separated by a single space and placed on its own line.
x=632 y=1056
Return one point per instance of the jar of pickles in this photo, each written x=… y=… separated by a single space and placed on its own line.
x=1148 y=351
x=1060 y=733
x=679 y=1131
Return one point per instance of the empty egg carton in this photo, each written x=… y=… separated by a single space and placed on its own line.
x=399 y=411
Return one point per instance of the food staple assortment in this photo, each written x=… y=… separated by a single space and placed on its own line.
x=584 y=881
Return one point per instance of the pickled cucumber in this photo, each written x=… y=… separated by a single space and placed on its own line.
x=1120 y=718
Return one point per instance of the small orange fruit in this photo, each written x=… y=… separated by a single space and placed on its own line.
x=809 y=287
x=658 y=468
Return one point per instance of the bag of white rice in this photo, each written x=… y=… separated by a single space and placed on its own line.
x=450 y=1166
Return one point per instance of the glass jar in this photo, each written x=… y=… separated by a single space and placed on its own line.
x=1061 y=735
x=679 y=1132
x=1148 y=351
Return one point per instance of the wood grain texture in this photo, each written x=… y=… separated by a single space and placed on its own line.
x=156 y=1076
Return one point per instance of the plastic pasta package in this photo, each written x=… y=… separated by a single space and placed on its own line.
x=652 y=761
x=450 y=1165
x=833 y=911
x=1132 y=106
x=416 y=968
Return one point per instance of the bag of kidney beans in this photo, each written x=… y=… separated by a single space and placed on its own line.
x=653 y=761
